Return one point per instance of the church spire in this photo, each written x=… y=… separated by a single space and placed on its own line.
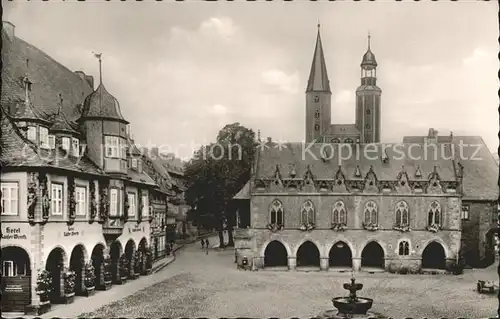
x=98 y=56
x=318 y=78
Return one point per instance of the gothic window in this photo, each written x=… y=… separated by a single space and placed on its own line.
x=465 y=212
x=368 y=112
x=276 y=212
x=404 y=248
x=339 y=214
x=367 y=126
x=307 y=213
x=335 y=140
x=316 y=99
x=402 y=214
x=371 y=213
x=348 y=141
x=316 y=115
x=316 y=127
x=434 y=216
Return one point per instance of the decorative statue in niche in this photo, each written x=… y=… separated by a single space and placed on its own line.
x=32 y=197
x=72 y=200
x=93 y=202
x=104 y=204
x=42 y=182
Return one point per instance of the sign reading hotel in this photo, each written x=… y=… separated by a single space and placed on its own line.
x=13 y=232
x=71 y=232
x=135 y=228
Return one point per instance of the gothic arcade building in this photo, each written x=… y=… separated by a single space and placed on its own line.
x=369 y=206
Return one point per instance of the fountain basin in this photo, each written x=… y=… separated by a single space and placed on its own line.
x=358 y=307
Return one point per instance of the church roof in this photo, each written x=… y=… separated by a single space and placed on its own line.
x=47 y=75
x=369 y=62
x=342 y=129
x=101 y=104
x=480 y=168
x=300 y=157
x=318 y=78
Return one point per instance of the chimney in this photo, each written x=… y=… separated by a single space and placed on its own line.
x=90 y=80
x=9 y=29
x=80 y=74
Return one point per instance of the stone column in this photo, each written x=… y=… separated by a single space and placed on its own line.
x=356 y=264
x=324 y=263
x=292 y=263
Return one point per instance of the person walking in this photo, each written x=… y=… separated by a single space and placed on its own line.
x=207 y=244
x=202 y=244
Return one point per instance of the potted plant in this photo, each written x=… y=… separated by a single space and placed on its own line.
x=307 y=226
x=43 y=288
x=433 y=228
x=371 y=226
x=149 y=261
x=402 y=228
x=137 y=263
x=274 y=227
x=69 y=286
x=123 y=268
x=338 y=226
x=89 y=280
x=108 y=275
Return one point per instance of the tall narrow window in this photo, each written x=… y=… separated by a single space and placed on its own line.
x=65 y=143
x=75 y=143
x=465 y=212
x=402 y=212
x=81 y=201
x=44 y=137
x=145 y=208
x=276 y=212
x=32 y=133
x=113 y=202
x=132 y=210
x=307 y=213
x=57 y=199
x=434 y=216
x=404 y=248
x=52 y=142
x=10 y=201
x=339 y=214
x=316 y=115
x=371 y=213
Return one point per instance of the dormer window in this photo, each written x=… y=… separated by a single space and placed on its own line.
x=76 y=146
x=32 y=133
x=65 y=142
x=139 y=166
x=52 y=142
x=134 y=163
x=44 y=137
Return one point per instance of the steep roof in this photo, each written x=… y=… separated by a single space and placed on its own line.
x=300 y=157
x=48 y=76
x=480 y=168
x=318 y=78
x=61 y=123
x=101 y=104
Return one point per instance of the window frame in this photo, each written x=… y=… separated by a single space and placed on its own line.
x=112 y=147
x=436 y=214
x=75 y=146
x=400 y=214
x=339 y=207
x=10 y=185
x=81 y=201
x=44 y=138
x=134 y=163
x=372 y=211
x=55 y=202
x=113 y=207
x=308 y=212
x=275 y=211
x=132 y=208
x=66 y=143
x=404 y=248
x=31 y=133
x=465 y=211
x=145 y=205
x=52 y=141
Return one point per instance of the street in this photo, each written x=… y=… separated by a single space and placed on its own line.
x=198 y=285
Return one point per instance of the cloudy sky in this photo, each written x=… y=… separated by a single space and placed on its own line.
x=181 y=71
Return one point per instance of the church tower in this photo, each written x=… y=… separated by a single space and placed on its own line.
x=368 y=100
x=318 y=96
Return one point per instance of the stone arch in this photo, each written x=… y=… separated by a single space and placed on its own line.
x=275 y=254
x=77 y=264
x=343 y=239
x=373 y=255
x=130 y=249
x=16 y=264
x=434 y=256
x=308 y=254
x=115 y=251
x=340 y=254
x=284 y=243
x=315 y=242
x=439 y=241
x=97 y=259
x=55 y=265
x=490 y=244
x=143 y=244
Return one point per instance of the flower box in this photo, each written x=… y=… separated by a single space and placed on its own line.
x=123 y=280
x=402 y=228
x=307 y=227
x=338 y=226
x=89 y=291
x=433 y=228
x=371 y=226
x=43 y=307
x=69 y=298
x=274 y=227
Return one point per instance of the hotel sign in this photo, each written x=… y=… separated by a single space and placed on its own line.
x=135 y=228
x=15 y=233
x=71 y=232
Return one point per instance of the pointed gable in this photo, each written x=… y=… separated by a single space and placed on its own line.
x=318 y=78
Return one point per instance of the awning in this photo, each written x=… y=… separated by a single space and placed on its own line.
x=244 y=193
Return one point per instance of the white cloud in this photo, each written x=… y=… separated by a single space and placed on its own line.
x=344 y=96
x=280 y=81
x=221 y=27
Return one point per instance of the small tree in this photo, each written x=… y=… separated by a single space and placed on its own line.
x=89 y=280
x=124 y=264
x=69 y=282
x=43 y=282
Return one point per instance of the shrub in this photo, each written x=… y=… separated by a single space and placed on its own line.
x=89 y=280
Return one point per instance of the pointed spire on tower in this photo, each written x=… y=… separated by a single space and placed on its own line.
x=369 y=36
x=98 y=56
x=318 y=78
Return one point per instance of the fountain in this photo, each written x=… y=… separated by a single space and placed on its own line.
x=353 y=307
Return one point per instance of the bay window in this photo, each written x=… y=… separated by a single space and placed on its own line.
x=112 y=146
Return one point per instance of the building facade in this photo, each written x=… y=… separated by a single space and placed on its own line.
x=75 y=199
x=367 y=126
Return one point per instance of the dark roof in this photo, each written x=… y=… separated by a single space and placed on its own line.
x=318 y=78
x=480 y=169
x=369 y=60
x=17 y=151
x=48 y=76
x=101 y=104
x=324 y=166
x=61 y=124
x=141 y=178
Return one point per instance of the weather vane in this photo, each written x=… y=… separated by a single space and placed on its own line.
x=98 y=56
